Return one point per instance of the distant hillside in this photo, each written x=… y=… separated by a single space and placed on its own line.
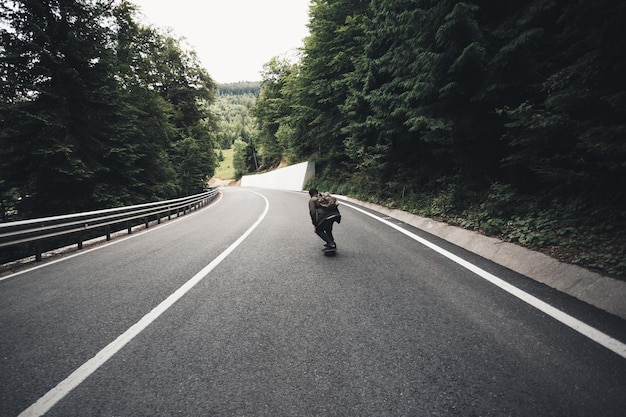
x=236 y=126
x=239 y=88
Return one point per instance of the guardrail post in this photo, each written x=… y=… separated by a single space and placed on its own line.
x=158 y=218
x=107 y=230
x=37 y=251
x=146 y=221
x=130 y=228
x=169 y=213
x=80 y=239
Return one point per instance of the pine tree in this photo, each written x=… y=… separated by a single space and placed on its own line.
x=188 y=88
x=566 y=127
x=98 y=111
x=270 y=110
x=63 y=121
x=321 y=87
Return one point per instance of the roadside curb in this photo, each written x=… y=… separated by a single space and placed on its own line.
x=605 y=293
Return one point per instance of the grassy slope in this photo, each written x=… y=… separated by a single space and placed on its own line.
x=225 y=170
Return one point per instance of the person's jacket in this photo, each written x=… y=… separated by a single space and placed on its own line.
x=319 y=213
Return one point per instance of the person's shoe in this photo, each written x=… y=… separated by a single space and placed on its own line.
x=330 y=246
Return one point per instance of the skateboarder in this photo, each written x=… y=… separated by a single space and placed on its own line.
x=323 y=215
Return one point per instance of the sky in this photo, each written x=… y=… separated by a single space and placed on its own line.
x=232 y=38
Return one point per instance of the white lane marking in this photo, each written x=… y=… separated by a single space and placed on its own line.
x=104 y=245
x=597 y=336
x=45 y=403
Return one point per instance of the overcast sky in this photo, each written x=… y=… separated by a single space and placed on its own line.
x=233 y=38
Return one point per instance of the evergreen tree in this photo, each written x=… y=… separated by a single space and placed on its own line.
x=180 y=80
x=566 y=132
x=321 y=87
x=97 y=111
x=389 y=90
x=156 y=177
x=64 y=132
x=271 y=109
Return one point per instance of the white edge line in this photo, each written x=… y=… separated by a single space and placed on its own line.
x=45 y=403
x=104 y=245
x=597 y=336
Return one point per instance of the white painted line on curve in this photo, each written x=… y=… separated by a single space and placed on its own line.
x=597 y=336
x=45 y=403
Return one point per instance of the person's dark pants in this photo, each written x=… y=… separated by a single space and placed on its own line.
x=325 y=231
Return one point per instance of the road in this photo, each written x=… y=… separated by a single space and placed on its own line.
x=234 y=311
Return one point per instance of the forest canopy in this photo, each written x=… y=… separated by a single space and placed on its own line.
x=97 y=110
x=406 y=92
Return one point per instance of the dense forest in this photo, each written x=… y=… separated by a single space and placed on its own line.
x=243 y=88
x=97 y=110
x=507 y=117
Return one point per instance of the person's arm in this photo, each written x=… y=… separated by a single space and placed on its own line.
x=313 y=211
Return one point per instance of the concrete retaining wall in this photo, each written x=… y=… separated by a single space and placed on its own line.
x=293 y=177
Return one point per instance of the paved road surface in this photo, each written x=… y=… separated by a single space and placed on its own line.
x=234 y=311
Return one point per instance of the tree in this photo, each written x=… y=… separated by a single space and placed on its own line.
x=98 y=111
x=65 y=134
x=180 y=80
x=390 y=96
x=244 y=158
x=566 y=131
x=271 y=109
x=150 y=111
x=322 y=84
x=233 y=110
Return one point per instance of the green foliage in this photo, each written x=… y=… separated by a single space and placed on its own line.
x=568 y=229
x=243 y=88
x=96 y=110
x=271 y=110
x=233 y=111
x=244 y=158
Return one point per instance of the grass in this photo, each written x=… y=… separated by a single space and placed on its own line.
x=225 y=170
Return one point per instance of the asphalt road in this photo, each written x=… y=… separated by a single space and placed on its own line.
x=234 y=311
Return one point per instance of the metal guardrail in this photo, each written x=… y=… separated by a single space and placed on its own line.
x=35 y=231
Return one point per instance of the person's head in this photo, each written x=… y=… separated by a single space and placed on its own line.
x=313 y=192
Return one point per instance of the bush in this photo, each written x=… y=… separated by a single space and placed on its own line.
x=567 y=230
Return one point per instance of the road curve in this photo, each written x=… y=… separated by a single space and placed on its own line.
x=234 y=310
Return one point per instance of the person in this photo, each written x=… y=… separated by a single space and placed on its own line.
x=323 y=219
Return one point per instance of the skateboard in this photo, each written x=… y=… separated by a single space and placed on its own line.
x=330 y=252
